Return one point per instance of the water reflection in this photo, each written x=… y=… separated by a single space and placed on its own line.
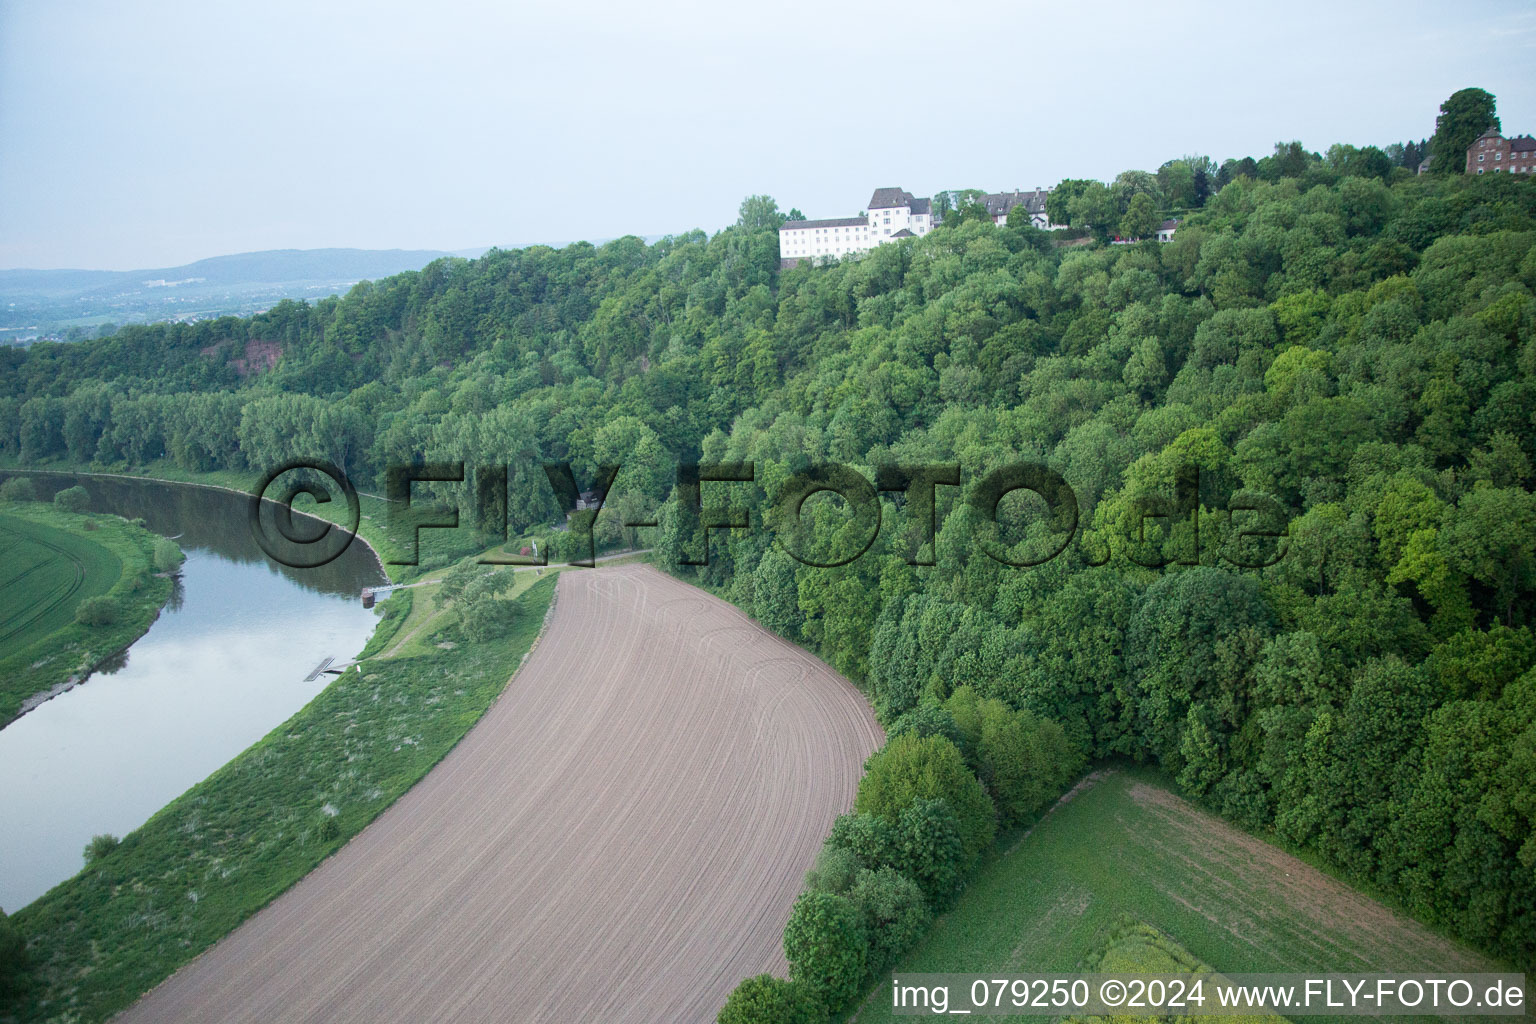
x=222 y=666
x=205 y=517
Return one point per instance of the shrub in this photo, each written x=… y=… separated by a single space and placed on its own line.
x=894 y=913
x=872 y=840
x=930 y=767
x=930 y=719
x=329 y=831
x=168 y=556
x=98 y=611
x=834 y=871
x=73 y=499
x=100 y=846
x=826 y=947
x=769 y=1000
x=923 y=844
x=483 y=616
x=929 y=849
x=1025 y=761
x=18 y=488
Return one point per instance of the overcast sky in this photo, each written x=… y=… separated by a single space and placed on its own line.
x=149 y=134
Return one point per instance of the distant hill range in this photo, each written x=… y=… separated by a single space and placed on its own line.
x=44 y=303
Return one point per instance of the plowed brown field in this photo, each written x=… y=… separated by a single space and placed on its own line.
x=619 y=839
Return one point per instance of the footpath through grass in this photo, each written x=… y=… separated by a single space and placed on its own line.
x=50 y=561
x=237 y=840
x=1124 y=845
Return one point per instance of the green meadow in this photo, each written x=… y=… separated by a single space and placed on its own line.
x=1123 y=846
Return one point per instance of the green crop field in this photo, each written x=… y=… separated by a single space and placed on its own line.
x=50 y=561
x=1124 y=845
x=44 y=573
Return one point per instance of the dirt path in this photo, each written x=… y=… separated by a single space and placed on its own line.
x=619 y=839
x=415 y=631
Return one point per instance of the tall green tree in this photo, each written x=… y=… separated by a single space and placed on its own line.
x=1463 y=117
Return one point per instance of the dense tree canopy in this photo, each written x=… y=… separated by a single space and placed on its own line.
x=1343 y=350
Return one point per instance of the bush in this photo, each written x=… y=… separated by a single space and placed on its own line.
x=73 y=499
x=894 y=914
x=18 y=488
x=872 y=840
x=13 y=956
x=929 y=849
x=168 y=556
x=99 y=847
x=329 y=831
x=910 y=766
x=769 y=1000
x=98 y=611
x=484 y=616
x=826 y=946
x=923 y=844
x=1025 y=761
x=835 y=870
x=931 y=719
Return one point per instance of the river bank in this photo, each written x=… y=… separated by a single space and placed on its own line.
x=369 y=534
x=238 y=839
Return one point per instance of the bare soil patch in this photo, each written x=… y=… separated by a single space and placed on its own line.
x=619 y=839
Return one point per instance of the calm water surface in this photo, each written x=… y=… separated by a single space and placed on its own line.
x=222 y=666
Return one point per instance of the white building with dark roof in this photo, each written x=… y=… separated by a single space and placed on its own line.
x=893 y=214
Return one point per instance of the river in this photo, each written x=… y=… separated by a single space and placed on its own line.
x=221 y=667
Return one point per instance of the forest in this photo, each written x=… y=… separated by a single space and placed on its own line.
x=1328 y=336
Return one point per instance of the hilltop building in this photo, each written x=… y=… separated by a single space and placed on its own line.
x=894 y=213
x=1001 y=204
x=1493 y=152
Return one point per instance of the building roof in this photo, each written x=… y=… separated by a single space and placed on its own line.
x=922 y=206
x=1522 y=144
x=1168 y=225
x=1491 y=133
x=999 y=203
x=903 y=233
x=889 y=198
x=835 y=222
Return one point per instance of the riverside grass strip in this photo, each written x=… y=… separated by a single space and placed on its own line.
x=237 y=840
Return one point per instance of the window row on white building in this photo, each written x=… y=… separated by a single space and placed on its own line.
x=893 y=214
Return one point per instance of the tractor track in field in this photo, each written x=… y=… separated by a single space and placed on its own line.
x=60 y=596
